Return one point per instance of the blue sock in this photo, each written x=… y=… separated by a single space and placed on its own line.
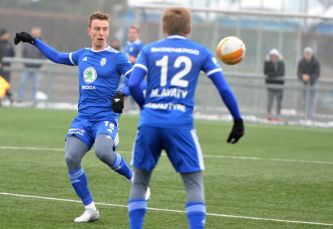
x=79 y=182
x=121 y=167
x=196 y=215
x=136 y=213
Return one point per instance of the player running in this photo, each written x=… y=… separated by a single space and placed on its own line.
x=172 y=66
x=100 y=69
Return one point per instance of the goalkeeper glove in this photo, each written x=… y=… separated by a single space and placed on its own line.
x=237 y=131
x=24 y=37
x=118 y=102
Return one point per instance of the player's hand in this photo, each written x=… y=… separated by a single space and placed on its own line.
x=237 y=132
x=118 y=102
x=24 y=37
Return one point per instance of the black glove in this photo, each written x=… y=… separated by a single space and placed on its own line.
x=118 y=102
x=237 y=132
x=24 y=37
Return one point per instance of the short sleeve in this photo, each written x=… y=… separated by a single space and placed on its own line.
x=210 y=64
x=74 y=56
x=124 y=67
x=141 y=61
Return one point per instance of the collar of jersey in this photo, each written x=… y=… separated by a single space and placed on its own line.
x=137 y=41
x=108 y=47
x=176 y=37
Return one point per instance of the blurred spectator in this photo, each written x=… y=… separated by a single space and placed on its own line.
x=4 y=87
x=31 y=71
x=134 y=44
x=274 y=70
x=132 y=49
x=6 y=50
x=308 y=72
x=115 y=43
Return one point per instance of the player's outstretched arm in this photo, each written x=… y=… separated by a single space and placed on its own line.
x=134 y=85
x=49 y=52
x=230 y=101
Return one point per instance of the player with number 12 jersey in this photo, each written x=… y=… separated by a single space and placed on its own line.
x=172 y=66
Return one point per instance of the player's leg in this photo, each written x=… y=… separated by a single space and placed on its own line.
x=137 y=205
x=184 y=152
x=78 y=143
x=105 y=150
x=75 y=149
x=146 y=152
x=106 y=142
x=195 y=199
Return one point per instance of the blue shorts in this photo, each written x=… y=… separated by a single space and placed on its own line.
x=87 y=131
x=181 y=145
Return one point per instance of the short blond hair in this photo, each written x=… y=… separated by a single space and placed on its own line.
x=100 y=16
x=177 y=20
x=135 y=28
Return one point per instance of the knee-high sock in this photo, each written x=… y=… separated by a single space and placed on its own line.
x=120 y=166
x=196 y=215
x=79 y=182
x=136 y=212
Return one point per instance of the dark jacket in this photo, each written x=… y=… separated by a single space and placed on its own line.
x=31 y=52
x=311 y=68
x=274 y=72
x=6 y=50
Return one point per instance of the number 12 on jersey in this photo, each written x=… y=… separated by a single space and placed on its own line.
x=183 y=63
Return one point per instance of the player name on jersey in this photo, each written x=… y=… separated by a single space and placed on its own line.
x=169 y=92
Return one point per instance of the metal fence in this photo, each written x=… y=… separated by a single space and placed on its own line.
x=260 y=30
x=60 y=84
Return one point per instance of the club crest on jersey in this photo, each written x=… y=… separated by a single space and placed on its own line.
x=89 y=75
x=102 y=62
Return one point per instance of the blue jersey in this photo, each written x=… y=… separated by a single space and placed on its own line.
x=99 y=76
x=133 y=48
x=173 y=66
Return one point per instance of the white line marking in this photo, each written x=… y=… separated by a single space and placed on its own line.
x=30 y=148
x=270 y=159
x=171 y=210
x=205 y=156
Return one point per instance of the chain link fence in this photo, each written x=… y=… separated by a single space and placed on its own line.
x=60 y=85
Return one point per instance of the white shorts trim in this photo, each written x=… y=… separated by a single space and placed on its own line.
x=198 y=149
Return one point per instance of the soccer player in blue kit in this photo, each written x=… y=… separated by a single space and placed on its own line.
x=100 y=69
x=132 y=49
x=134 y=44
x=172 y=66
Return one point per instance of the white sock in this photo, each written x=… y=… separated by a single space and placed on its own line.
x=91 y=206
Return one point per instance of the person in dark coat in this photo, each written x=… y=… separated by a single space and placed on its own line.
x=308 y=72
x=6 y=50
x=31 y=71
x=274 y=70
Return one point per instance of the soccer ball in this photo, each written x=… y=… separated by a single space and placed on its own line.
x=230 y=50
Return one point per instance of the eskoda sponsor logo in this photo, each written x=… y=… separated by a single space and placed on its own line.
x=89 y=75
x=88 y=87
